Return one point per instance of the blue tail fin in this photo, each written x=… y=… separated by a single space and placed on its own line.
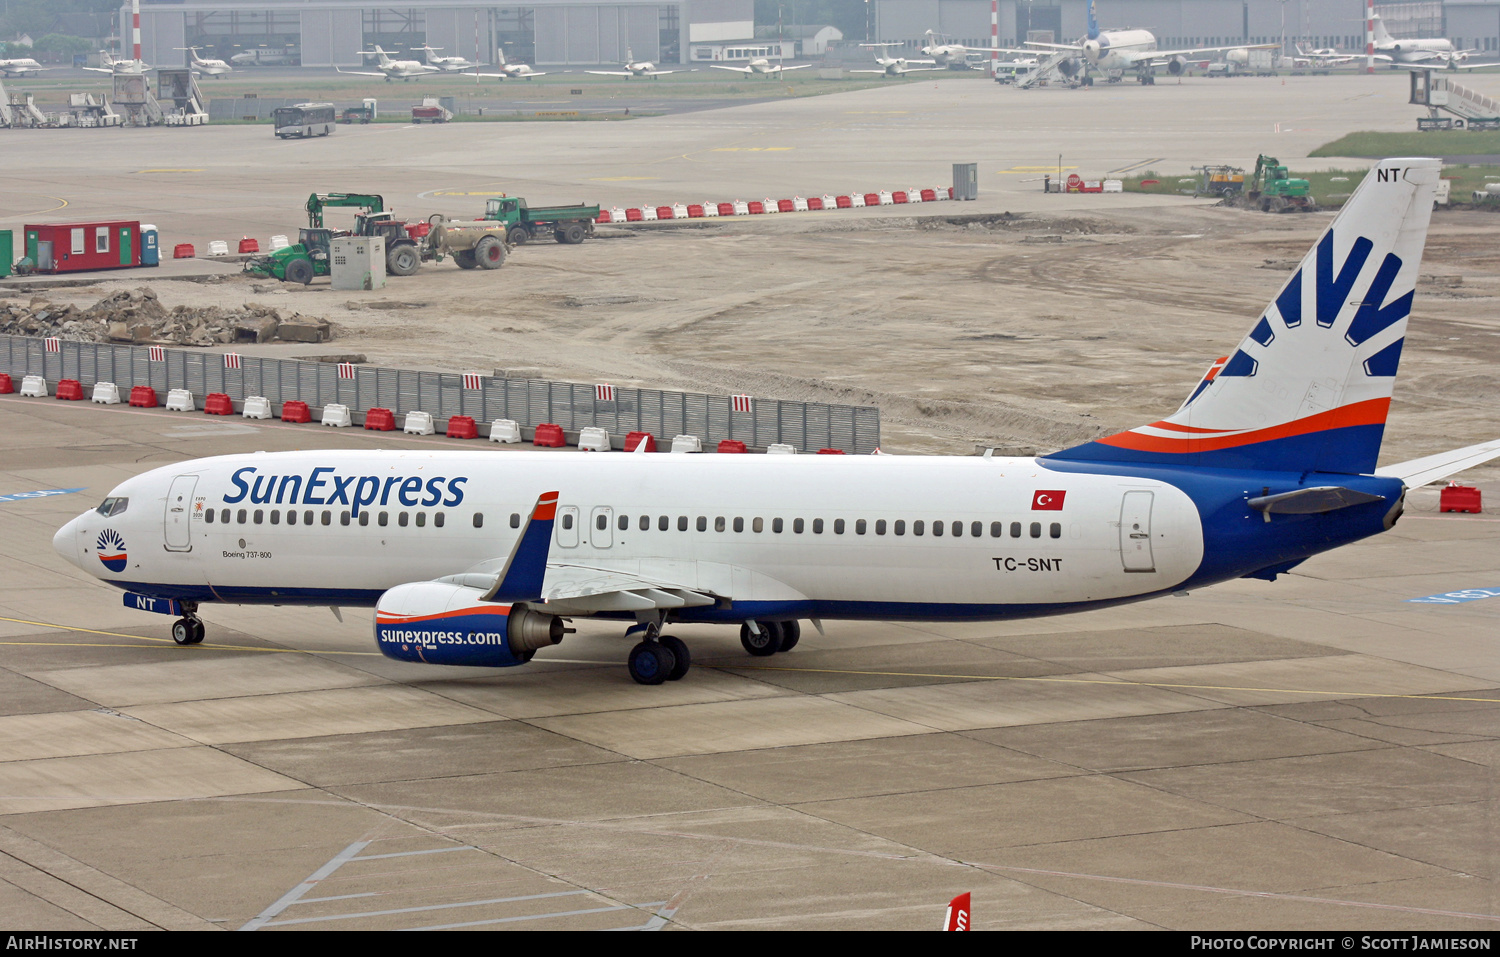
x=1309 y=388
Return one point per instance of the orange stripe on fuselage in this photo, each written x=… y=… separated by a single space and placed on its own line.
x=1368 y=412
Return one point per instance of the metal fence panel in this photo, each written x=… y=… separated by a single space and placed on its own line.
x=808 y=426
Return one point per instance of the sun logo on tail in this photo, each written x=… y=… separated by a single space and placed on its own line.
x=111 y=547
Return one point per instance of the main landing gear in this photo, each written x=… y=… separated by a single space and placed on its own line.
x=765 y=638
x=659 y=657
x=188 y=630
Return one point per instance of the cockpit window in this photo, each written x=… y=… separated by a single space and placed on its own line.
x=112 y=506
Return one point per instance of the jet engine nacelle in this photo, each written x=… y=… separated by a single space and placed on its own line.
x=441 y=623
x=1070 y=67
x=1177 y=65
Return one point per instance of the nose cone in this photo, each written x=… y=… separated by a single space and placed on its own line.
x=66 y=543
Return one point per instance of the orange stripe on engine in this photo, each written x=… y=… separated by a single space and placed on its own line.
x=1369 y=412
x=391 y=619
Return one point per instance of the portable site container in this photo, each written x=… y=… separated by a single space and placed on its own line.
x=78 y=247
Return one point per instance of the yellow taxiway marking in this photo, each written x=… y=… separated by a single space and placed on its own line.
x=158 y=641
x=169 y=171
x=619 y=179
x=1033 y=169
x=1113 y=681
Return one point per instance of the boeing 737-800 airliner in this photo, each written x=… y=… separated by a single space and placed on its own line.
x=479 y=558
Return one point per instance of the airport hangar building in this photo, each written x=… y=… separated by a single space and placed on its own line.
x=332 y=32
x=565 y=32
x=1471 y=24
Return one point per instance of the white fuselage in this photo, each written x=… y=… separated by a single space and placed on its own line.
x=20 y=67
x=837 y=533
x=1416 y=51
x=1118 y=49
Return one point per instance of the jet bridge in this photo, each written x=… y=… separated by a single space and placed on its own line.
x=1440 y=94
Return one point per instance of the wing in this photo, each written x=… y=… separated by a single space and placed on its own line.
x=1434 y=468
x=610 y=72
x=358 y=73
x=731 y=69
x=98 y=69
x=1034 y=45
x=800 y=66
x=489 y=76
x=659 y=72
x=1168 y=54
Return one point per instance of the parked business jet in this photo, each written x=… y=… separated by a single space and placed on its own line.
x=516 y=71
x=1427 y=52
x=945 y=55
x=634 y=68
x=20 y=67
x=897 y=66
x=478 y=558
x=404 y=70
x=108 y=64
x=1114 y=52
x=761 y=67
x=446 y=64
x=206 y=67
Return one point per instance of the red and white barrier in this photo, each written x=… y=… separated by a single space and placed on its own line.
x=767 y=206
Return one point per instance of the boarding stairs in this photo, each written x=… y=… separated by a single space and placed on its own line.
x=187 y=101
x=1439 y=93
x=1047 y=70
x=7 y=115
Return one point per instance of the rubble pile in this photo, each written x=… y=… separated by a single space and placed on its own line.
x=138 y=317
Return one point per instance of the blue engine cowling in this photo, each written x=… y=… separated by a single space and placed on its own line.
x=441 y=623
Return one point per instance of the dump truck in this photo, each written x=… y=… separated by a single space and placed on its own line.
x=1275 y=191
x=566 y=224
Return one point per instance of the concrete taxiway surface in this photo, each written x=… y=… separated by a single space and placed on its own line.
x=1319 y=752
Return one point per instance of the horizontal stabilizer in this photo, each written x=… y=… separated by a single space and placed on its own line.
x=1435 y=468
x=1311 y=501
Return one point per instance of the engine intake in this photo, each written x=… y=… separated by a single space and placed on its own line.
x=1070 y=67
x=442 y=623
x=1176 y=65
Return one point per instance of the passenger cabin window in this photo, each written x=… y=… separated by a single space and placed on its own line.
x=937 y=529
x=900 y=526
x=1055 y=530
x=879 y=526
x=739 y=524
x=702 y=523
x=817 y=526
x=859 y=527
x=240 y=517
x=344 y=517
x=838 y=526
x=918 y=527
x=1036 y=529
x=645 y=523
x=719 y=523
x=383 y=519
x=421 y=519
x=364 y=518
x=797 y=525
x=515 y=520
x=776 y=525
x=997 y=529
x=208 y=516
x=624 y=522
x=759 y=525
x=567 y=520
x=682 y=524
x=260 y=516
x=437 y=519
x=478 y=520
x=601 y=523
x=1015 y=529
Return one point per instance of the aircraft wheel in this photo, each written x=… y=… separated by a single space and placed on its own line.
x=681 y=658
x=187 y=631
x=651 y=662
x=764 y=644
x=791 y=633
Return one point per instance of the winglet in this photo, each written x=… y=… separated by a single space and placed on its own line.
x=521 y=580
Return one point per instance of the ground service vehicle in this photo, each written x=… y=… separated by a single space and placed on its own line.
x=472 y=245
x=304 y=119
x=1276 y=192
x=359 y=114
x=309 y=256
x=566 y=224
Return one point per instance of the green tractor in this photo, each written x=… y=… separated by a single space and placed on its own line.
x=298 y=263
x=1276 y=191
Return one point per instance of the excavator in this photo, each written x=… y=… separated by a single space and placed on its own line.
x=1276 y=192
